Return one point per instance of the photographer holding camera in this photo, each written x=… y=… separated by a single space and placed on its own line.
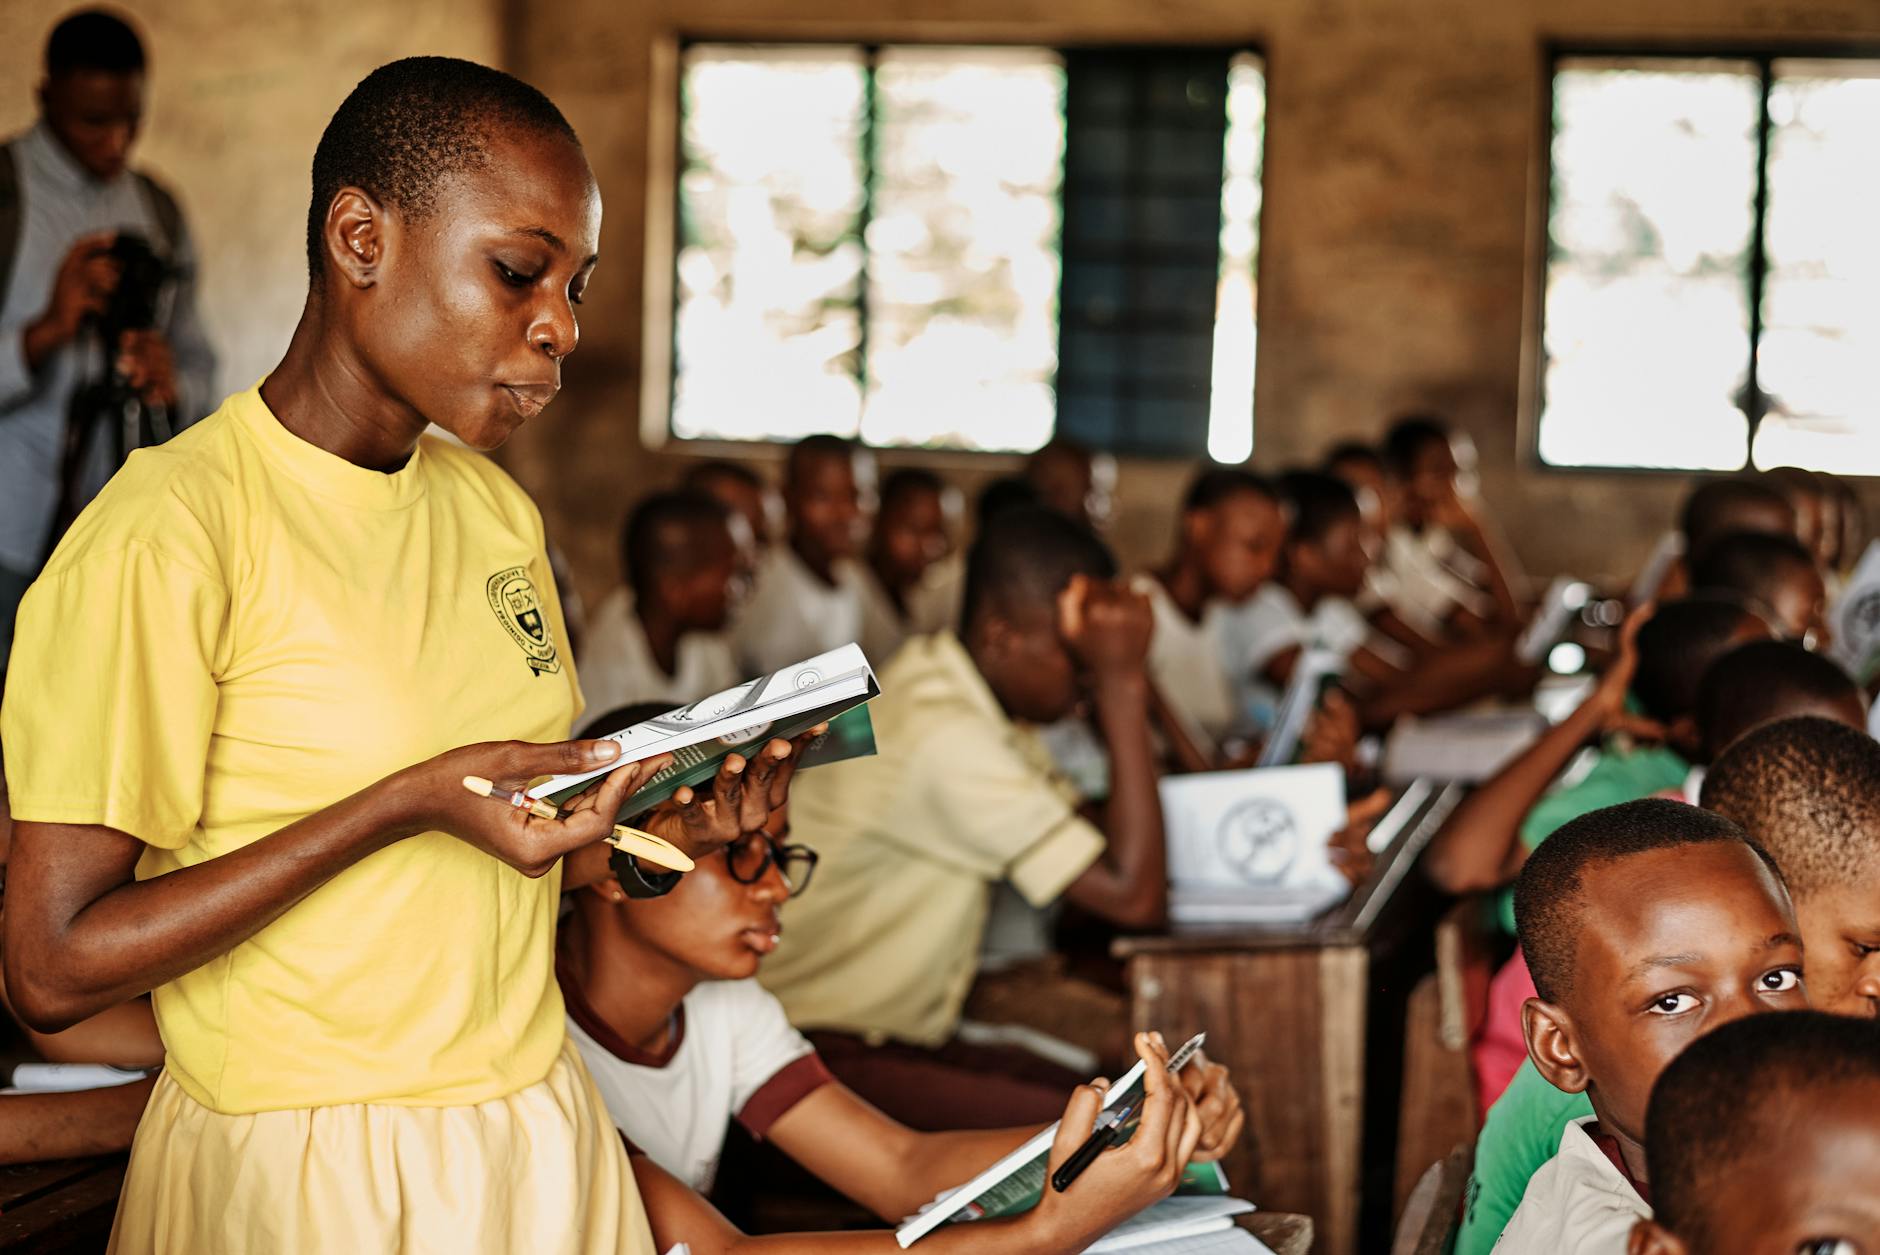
x=100 y=346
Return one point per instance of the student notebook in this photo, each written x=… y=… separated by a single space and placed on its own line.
x=1016 y=1183
x=1314 y=672
x=829 y=688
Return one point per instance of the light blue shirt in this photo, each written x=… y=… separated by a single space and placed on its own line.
x=59 y=202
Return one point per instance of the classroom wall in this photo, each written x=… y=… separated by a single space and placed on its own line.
x=1399 y=225
x=239 y=93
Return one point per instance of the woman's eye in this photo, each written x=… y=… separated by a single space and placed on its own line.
x=513 y=278
x=1827 y=1246
x=1781 y=980
x=1673 y=1004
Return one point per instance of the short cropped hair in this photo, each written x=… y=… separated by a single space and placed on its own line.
x=1008 y=492
x=1351 y=451
x=1408 y=437
x=94 y=39
x=1754 y=564
x=1761 y=681
x=1807 y=789
x=703 y=473
x=1677 y=645
x=665 y=533
x=1315 y=504
x=1023 y=558
x=1729 y=1094
x=1220 y=483
x=810 y=448
x=412 y=125
x=1716 y=507
x=1549 y=895
x=908 y=481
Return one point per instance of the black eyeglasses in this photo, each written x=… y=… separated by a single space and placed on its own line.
x=750 y=857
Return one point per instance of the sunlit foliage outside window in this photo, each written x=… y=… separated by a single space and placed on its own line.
x=1682 y=327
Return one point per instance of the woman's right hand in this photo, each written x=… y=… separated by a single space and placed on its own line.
x=439 y=802
x=1123 y=1179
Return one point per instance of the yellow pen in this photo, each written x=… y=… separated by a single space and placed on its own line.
x=634 y=841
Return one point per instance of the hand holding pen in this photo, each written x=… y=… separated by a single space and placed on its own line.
x=1123 y=1180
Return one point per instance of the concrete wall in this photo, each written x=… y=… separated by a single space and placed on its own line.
x=1401 y=185
x=239 y=93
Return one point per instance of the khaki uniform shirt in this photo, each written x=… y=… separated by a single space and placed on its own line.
x=885 y=942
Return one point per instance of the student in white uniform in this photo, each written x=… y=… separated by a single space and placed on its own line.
x=807 y=598
x=1449 y=574
x=1227 y=542
x=681 y=1041
x=660 y=636
x=913 y=533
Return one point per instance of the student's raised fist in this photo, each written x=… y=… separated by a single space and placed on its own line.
x=1107 y=625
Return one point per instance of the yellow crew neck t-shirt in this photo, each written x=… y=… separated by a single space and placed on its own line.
x=244 y=629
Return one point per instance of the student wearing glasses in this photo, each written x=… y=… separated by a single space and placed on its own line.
x=681 y=1039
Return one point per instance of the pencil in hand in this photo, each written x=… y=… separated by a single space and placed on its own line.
x=634 y=841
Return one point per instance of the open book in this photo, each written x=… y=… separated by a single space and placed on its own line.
x=829 y=688
x=1016 y=1183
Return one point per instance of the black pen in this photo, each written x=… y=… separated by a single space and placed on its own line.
x=1100 y=1140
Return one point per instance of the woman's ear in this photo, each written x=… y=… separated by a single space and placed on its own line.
x=354 y=237
x=1550 y=1043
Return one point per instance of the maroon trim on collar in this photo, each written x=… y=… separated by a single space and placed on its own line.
x=602 y=1032
x=1609 y=1147
x=793 y=1082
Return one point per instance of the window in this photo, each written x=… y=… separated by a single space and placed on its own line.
x=1712 y=295
x=942 y=246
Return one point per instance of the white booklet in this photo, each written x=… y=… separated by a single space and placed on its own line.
x=783 y=703
x=1254 y=832
x=1179 y=1216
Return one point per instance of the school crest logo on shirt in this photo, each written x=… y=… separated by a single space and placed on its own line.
x=513 y=598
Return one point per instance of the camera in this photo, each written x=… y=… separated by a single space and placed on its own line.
x=137 y=299
x=107 y=411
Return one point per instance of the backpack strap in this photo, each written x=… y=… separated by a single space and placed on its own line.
x=169 y=214
x=11 y=217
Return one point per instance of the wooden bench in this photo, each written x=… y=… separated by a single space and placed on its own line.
x=65 y=1206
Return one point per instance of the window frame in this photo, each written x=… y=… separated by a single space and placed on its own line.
x=665 y=225
x=1763 y=55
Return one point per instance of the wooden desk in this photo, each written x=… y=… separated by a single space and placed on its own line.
x=64 y=1206
x=1302 y=1014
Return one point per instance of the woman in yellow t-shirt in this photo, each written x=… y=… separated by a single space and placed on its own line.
x=228 y=734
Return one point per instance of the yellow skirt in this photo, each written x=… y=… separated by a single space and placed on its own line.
x=541 y=1171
